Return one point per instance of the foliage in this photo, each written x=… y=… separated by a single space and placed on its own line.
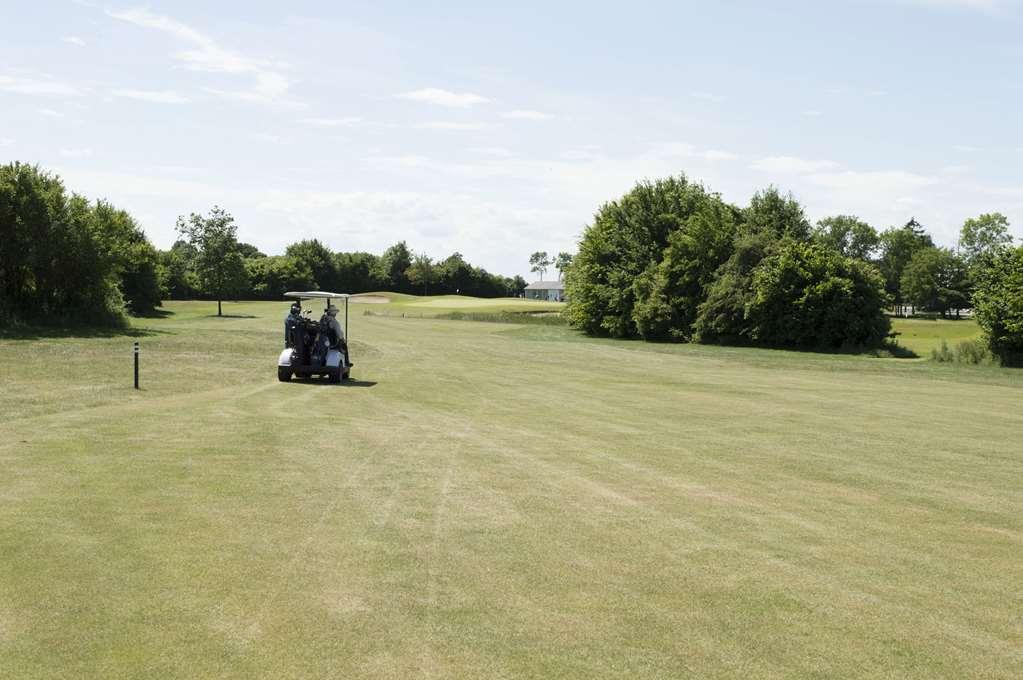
x=136 y=258
x=792 y=294
x=848 y=235
x=539 y=262
x=973 y=352
x=669 y=293
x=983 y=236
x=777 y=215
x=998 y=304
x=217 y=262
x=562 y=262
x=271 y=277
x=897 y=249
x=314 y=257
x=627 y=238
x=936 y=279
x=421 y=272
x=391 y=268
x=723 y=316
x=64 y=260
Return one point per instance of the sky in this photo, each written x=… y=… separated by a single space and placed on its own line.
x=499 y=129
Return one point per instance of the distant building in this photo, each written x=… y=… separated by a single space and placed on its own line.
x=552 y=291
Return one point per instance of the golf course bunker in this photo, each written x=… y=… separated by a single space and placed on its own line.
x=369 y=300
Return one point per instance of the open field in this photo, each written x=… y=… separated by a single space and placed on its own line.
x=492 y=500
x=923 y=335
x=435 y=305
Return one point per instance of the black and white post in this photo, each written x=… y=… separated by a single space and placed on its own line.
x=136 y=364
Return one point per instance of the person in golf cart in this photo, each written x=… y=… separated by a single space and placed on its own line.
x=337 y=335
x=292 y=321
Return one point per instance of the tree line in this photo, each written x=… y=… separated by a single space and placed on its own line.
x=66 y=259
x=671 y=260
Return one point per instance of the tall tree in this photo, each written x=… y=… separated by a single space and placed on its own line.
x=320 y=261
x=218 y=262
x=982 y=236
x=897 y=248
x=421 y=272
x=848 y=235
x=539 y=262
x=935 y=279
x=392 y=265
x=777 y=214
x=562 y=263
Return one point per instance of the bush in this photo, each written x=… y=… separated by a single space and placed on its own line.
x=973 y=352
x=61 y=259
x=998 y=305
x=627 y=238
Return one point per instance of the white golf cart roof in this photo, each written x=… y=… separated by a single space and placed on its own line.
x=315 y=295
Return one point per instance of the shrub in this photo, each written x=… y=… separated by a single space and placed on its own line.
x=973 y=352
x=998 y=304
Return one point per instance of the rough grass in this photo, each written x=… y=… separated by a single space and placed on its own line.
x=505 y=501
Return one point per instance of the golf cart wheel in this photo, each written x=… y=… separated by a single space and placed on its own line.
x=284 y=373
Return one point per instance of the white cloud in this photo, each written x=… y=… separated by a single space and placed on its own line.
x=707 y=97
x=155 y=96
x=887 y=181
x=978 y=5
x=43 y=85
x=6 y=141
x=495 y=151
x=813 y=113
x=451 y=125
x=76 y=153
x=433 y=95
x=966 y=148
x=206 y=55
x=50 y=113
x=718 y=155
x=346 y=121
x=525 y=114
x=74 y=40
x=792 y=165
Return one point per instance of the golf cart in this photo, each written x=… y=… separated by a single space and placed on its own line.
x=312 y=347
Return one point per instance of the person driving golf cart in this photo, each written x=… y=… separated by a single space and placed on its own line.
x=291 y=321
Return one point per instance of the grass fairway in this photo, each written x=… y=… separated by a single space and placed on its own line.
x=497 y=501
x=922 y=336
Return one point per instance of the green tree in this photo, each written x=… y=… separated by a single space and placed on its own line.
x=562 y=263
x=627 y=237
x=936 y=280
x=983 y=236
x=319 y=260
x=776 y=214
x=998 y=304
x=271 y=277
x=58 y=258
x=668 y=294
x=848 y=235
x=421 y=272
x=218 y=263
x=391 y=268
x=539 y=262
x=897 y=249
x=134 y=256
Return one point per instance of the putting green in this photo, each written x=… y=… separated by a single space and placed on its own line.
x=495 y=500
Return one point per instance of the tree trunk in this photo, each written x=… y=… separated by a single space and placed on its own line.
x=219 y=312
